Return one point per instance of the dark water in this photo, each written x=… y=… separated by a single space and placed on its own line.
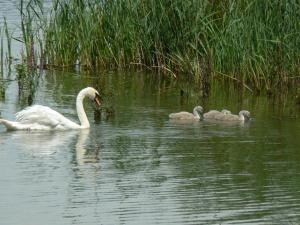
x=138 y=167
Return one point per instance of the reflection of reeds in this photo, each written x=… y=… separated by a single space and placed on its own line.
x=255 y=43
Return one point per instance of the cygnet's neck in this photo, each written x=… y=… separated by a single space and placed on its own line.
x=84 y=123
x=241 y=116
x=196 y=114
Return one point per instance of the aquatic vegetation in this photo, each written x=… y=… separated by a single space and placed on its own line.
x=1 y=52
x=253 y=43
x=28 y=82
x=5 y=56
x=1 y=56
x=106 y=109
x=2 y=90
x=32 y=25
x=8 y=36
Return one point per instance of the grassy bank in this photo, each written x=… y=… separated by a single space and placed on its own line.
x=256 y=43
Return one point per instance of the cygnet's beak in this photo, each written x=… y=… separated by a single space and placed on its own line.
x=98 y=99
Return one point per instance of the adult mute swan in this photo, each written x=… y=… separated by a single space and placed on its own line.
x=196 y=115
x=38 y=117
x=244 y=115
x=213 y=114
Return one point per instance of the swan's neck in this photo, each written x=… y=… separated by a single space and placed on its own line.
x=242 y=117
x=80 y=110
x=196 y=113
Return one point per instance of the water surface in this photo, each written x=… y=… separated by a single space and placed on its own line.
x=138 y=167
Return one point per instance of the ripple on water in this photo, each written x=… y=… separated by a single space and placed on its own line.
x=141 y=168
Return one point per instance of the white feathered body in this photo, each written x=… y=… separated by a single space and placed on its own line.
x=215 y=114
x=38 y=117
x=183 y=116
x=196 y=115
x=211 y=114
x=243 y=116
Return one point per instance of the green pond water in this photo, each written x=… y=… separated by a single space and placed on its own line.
x=138 y=167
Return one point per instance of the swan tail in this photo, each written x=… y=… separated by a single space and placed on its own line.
x=5 y=123
x=9 y=124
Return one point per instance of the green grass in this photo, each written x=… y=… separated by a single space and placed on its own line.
x=255 y=43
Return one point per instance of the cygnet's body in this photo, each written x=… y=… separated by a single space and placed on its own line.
x=214 y=114
x=196 y=115
x=244 y=115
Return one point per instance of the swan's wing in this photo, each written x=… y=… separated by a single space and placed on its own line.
x=227 y=117
x=211 y=114
x=181 y=115
x=41 y=115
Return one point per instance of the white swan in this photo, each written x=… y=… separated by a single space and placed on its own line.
x=213 y=114
x=196 y=115
x=244 y=115
x=38 y=117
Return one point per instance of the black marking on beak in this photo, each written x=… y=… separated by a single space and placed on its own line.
x=98 y=99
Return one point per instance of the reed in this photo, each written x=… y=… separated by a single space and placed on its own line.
x=28 y=82
x=1 y=53
x=32 y=25
x=5 y=50
x=8 y=36
x=255 y=43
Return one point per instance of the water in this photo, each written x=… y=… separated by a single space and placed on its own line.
x=137 y=167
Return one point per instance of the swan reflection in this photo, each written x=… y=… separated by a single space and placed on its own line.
x=49 y=143
x=41 y=143
x=84 y=152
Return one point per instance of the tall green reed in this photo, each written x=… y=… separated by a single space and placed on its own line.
x=32 y=24
x=1 y=53
x=8 y=36
x=5 y=50
x=255 y=43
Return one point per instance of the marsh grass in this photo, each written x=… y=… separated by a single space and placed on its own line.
x=1 y=54
x=28 y=82
x=253 y=43
x=8 y=36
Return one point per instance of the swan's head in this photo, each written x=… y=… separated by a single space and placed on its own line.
x=225 y=112
x=245 y=113
x=93 y=94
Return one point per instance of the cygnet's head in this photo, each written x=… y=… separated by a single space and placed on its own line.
x=245 y=113
x=225 y=112
x=199 y=109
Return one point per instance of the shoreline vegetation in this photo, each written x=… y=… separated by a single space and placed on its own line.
x=254 y=43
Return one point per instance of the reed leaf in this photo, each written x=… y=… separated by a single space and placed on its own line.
x=254 y=41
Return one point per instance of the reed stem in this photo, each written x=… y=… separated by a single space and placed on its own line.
x=255 y=42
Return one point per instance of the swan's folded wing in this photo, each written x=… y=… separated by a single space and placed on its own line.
x=181 y=115
x=39 y=114
x=211 y=114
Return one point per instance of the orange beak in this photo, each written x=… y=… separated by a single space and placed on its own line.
x=98 y=99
